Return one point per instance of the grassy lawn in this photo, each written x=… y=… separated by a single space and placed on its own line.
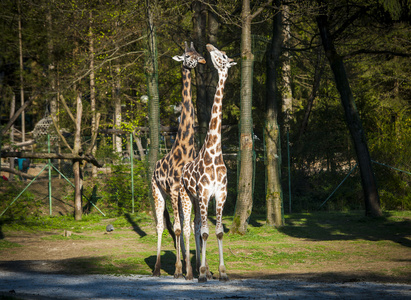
x=325 y=246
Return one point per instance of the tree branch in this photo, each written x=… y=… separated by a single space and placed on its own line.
x=366 y=51
x=17 y=114
x=67 y=109
x=260 y=9
x=87 y=157
x=59 y=133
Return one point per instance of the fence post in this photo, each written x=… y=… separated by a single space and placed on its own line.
x=132 y=172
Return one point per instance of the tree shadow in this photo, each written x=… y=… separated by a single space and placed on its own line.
x=1 y=230
x=135 y=226
x=168 y=260
x=90 y=201
x=332 y=226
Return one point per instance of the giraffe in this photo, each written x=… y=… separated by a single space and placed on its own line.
x=166 y=178
x=205 y=177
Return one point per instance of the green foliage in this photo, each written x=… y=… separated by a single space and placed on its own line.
x=26 y=205
x=116 y=189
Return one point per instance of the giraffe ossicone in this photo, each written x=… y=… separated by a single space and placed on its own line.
x=206 y=177
x=166 y=178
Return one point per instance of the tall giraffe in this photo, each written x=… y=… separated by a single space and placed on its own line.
x=167 y=173
x=205 y=177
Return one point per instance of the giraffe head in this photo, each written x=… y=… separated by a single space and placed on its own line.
x=190 y=58
x=220 y=60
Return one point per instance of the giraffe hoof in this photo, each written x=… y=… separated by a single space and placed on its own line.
x=224 y=277
x=178 y=275
x=156 y=273
x=202 y=279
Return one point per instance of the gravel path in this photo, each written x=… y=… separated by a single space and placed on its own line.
x=51 y=286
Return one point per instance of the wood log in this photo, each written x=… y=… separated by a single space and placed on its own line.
x=86 y=157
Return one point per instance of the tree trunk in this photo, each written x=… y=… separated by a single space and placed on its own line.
x=287 y=96
x=12 y=110
x=78 y=180
x=118 y=144
x=117 y=111
x=371 y=197
x=154 y=111
x=23 y=117
x=202 y=104
x=244 y=201
x=271 y=133
x=212 y=73
x=92 y=90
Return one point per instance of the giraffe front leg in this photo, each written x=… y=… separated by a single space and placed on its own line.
x=159 y=207
x=178 y=273
x=219 y=231
x=186 y=207
x=204 y=236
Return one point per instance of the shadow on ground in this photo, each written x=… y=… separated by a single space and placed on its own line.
x=349 y=226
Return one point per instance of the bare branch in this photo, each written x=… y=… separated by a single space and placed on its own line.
x=59 y=133
x=67 y=108
x=366 y=51
x=94 y=136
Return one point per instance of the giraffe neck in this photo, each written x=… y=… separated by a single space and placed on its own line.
x=214 y=127
x=186 y=126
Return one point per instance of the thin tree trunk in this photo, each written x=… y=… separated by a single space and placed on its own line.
x=78 y=180
x=23 y=117
x=50 y=48
x=92 y=90
x=117 y=110
x=287 y=96
x=272 y=141
x=154 y=111
x=244 y=201
x=140 y=148
x=12 y=111
x=203 y=106
x=212 y=73
x=117 y=102
x=371 y=197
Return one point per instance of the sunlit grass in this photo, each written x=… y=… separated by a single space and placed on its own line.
x=306 y=240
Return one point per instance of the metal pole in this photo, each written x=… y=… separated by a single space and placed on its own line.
x=289 y=169
x=21 y=193
x=49 y=164
x=132 y=173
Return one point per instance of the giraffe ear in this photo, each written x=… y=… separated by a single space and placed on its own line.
x=231 y=63
x=178 y=58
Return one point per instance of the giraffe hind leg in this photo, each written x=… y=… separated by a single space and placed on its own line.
x=186 y=206
x=219 y=230
x=159 y=207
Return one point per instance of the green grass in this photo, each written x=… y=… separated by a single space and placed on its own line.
x=56 y=237
x=6 y=244
x=307 y=241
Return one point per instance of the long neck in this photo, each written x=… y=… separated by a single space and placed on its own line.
x=186 y=125
x=214 y=127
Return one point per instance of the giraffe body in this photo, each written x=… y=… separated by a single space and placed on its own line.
x=167 y=173
x=206 y=177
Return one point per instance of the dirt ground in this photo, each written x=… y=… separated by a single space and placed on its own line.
x=54 y=258
x=45 y=269
x=62 y=256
